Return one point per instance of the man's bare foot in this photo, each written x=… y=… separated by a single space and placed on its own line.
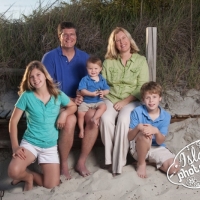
x=29 y=184
x=82 y=170
x=95 y=121
x=65 y=171
x=81 y=134
x=141 y=170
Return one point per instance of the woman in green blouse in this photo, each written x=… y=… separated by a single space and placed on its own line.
x=125 y=71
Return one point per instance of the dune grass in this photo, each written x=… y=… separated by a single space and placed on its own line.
x=178 y=52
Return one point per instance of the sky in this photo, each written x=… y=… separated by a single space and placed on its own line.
x=18 y=7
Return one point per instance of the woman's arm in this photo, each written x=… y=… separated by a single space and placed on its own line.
x=120 y=104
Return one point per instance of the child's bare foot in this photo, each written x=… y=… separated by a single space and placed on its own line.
x=29 y=184
x=15 y=182
x=141 y=170
x=81 y=134
x=95 y=121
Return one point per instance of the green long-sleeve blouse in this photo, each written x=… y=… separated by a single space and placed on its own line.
x=125 y=80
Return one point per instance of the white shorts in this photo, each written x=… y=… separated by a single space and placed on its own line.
x=156 y=154
x=44 y=155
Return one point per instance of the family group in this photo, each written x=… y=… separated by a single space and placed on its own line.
x=68 y=87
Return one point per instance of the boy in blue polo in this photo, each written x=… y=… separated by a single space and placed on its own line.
x=92 y=87
x=148 y=127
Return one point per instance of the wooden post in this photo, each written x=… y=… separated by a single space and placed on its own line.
x=151 y=50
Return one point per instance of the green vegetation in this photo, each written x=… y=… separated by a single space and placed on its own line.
x=178 y=52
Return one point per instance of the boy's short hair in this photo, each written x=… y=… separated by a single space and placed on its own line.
x=94 y=60
x=151 y=87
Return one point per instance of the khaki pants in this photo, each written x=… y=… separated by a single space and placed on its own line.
x=114 y=134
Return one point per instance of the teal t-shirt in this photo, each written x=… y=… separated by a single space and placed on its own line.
x=41 y=118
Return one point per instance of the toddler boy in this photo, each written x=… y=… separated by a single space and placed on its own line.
x=92 y=87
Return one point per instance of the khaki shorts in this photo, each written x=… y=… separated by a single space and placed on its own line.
x=44 y=155
x=84 y=107
x=156 y=154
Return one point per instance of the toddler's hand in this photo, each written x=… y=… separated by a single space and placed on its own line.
x=101 y=94
x=95 y=93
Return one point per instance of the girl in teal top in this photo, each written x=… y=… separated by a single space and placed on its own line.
x=41 y=100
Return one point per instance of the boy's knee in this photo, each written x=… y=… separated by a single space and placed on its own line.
x=174 y=166
x=142 y=138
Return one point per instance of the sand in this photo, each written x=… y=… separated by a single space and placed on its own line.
x=101 y=184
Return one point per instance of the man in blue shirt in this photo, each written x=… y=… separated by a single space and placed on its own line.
x=67 y=65
x=148 y=127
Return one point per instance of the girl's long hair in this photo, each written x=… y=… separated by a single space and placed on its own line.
x=25 y=84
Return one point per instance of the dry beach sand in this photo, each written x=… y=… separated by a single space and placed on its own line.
x=101 y=185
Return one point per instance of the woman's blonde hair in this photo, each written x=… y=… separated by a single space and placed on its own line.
x=112 y=51
x=25 y=84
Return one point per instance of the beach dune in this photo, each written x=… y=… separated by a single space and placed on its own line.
x=101 y=185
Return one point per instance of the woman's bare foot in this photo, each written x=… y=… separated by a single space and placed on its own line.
x=81 y=134
x=109 y=168
x=141 y=170
x=95 y=121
